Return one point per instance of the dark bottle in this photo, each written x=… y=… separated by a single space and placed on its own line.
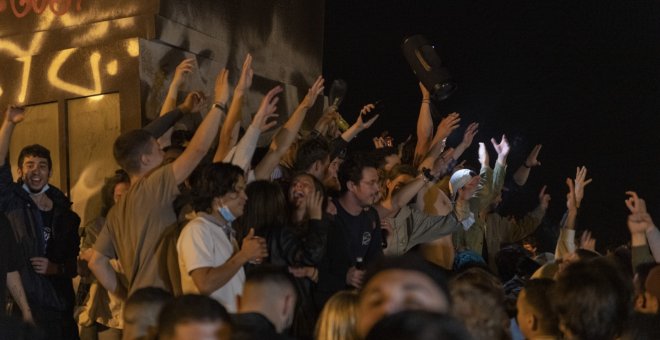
x=359 y=263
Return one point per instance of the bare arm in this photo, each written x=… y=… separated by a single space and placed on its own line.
x=287 y=134
x=226 y=141
x=445 y=128
x=210 y=279
x=359 y=124
x=180 y=75
x=468 y=137
x=18 y=294
x=100 y=266
x=13 y=116
x=521 y=175
x=245 y=148
x=424 y=126
x=201 y=141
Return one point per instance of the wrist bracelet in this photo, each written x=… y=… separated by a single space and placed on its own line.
x=221 y=106
x=525 y=165
x=427 y=101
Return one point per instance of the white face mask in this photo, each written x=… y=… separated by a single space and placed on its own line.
x=29 y=191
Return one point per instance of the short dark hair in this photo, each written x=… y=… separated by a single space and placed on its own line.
x=537 y=295
x=311 y=151
x=186 y=308
x=592 y=299
x=351 y=169
x=148 y=295
x=418 y=324
x=108 y=190
x=129 y=147
x=35 y=150
x=214 y=180
x=273 y=274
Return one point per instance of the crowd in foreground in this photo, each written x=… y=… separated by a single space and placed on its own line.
x=202 y=235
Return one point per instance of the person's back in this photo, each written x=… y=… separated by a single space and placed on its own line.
x=147 y=209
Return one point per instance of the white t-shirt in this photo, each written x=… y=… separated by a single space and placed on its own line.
x=203 y=243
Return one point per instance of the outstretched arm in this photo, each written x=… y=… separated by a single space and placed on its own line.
x=424 y=126
x=468 y=137
x=226 y=141
x=13 y=116
x=242 y=156
x=521 y=175
x=445 y=128
x=287 y=134
x=359 y=124
x=641 y=226
x=566 y=242
x=201 y=141
x=181 y=73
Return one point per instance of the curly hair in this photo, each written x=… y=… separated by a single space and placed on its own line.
x=213 y=180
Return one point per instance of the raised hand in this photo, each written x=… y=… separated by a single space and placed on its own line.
x=15 y=114
x=483 y=155
x=580 y=183
x=193 y=101
x=313 y=92
x=186 y=67
x=362 y=125
x=587 y=242
x=314 y=205
x=544 y=199
x=639 y=220
x=532 y=158
x=267 y=110
x=254 y=248
x=502 y=149
x=441 y=164
x=245 y=81
x=468 y=135
x=571 y=203
x=448 y=124
x=221 y=91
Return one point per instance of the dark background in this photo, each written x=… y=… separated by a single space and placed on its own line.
x=580 y=77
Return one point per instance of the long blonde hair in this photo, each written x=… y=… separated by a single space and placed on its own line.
x=338 y=317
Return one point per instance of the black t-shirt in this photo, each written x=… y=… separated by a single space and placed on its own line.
x=46 y=227
x=364 y=233
x=9 y=257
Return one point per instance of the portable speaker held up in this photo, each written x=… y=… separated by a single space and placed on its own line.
x=426 y=64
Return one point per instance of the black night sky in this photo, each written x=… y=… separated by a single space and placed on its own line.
x=580 y=77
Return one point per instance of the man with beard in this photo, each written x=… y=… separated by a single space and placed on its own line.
x=355 y=240
x=45 y=229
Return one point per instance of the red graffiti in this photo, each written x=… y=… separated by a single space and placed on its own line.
x=21 y=8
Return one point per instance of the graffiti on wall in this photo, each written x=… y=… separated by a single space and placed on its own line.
x=21 y=8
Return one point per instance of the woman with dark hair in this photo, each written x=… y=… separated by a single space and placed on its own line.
x=297 y=242
x=209 y=258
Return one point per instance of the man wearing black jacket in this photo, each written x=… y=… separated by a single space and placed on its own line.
x=45 y=229
x=355 y=239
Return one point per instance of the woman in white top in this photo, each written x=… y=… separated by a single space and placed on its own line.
x=210 y=260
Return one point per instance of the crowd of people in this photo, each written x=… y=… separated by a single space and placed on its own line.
x=203 y=235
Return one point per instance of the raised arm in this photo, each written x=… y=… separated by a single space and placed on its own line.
x=288 y=133
x=359 y=124
x=424 y=126
x=566 y=242
x=242 y=156
x=181 y=73
x=13 y=116
x=207 y=130
x=640 y=225
x=445 y=128
x=468 y=137
x=226 y=140
x=521 y=175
